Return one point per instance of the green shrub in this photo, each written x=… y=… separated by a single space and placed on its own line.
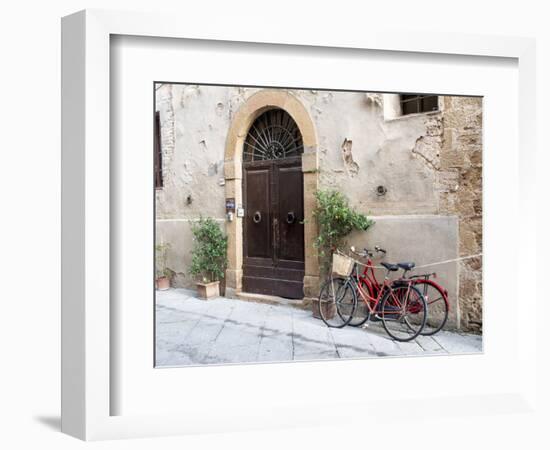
x=336 y=219
x=209 y=255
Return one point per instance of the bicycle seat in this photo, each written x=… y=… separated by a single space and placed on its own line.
x=390 y=267
x=406 y=265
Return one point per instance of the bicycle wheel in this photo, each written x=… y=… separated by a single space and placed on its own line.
x=403 y=312
x=438 y=306
x=337 y=301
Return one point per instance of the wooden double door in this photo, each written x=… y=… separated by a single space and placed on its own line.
x=273 y=249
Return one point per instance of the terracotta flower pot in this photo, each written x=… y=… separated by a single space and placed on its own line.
x=208 y=290
x=163 y=283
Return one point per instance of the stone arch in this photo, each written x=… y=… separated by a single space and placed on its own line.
x=254 y=106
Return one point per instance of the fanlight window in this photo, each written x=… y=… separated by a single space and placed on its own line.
x=273 y=135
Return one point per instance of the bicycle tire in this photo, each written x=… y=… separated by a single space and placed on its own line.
x=438 y=306
x=337 y=310
x=388 y=317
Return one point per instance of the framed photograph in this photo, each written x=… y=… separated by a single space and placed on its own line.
x=248 y=220
x=262 y=193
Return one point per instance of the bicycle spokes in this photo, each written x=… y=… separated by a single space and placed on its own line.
x=403 y=312
x=337 y=302
x=438 y=307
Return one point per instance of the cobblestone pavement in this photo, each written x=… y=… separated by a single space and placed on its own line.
x=190 y=331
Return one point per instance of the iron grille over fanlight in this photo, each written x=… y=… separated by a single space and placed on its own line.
x=273 y=135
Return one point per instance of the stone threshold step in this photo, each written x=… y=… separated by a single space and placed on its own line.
x=304 y=303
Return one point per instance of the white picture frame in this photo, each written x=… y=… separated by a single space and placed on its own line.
x=87 y=326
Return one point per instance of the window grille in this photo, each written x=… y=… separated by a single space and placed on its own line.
x=413 y=104
x=273 y=135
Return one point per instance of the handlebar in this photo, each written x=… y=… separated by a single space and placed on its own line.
x=366 y=252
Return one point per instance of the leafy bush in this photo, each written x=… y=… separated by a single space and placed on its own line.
x=336 y=220
x=161 y=251
x=209 y=256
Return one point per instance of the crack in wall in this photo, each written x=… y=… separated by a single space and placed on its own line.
x=435 y=166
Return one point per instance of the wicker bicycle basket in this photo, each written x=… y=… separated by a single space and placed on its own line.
x=341 y=264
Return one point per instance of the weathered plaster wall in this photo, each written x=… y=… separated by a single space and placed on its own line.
x=382 y=151
x=380 y=155
x=194 y=122
x=430 y=165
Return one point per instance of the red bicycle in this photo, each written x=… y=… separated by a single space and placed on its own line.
x=401 y=308
x=436 y=296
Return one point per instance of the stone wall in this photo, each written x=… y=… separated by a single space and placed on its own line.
x=460 y=193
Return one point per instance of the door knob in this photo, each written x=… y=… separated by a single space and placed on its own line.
x=290 y=217
x=257 y=217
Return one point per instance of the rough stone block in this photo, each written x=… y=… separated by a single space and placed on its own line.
x=232 y=169
x=447 y=181
x=452 y=159
x=233 y=279
x=310 y=162
x=311 y=286
x=476 y=158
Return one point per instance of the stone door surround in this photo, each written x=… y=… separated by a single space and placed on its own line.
x=256 y=104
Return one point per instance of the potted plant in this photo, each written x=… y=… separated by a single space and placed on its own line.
x=163 y=273
x=336 y=219
x=209 y=257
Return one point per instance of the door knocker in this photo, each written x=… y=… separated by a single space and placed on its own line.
x=257 y=218
x=290 y=217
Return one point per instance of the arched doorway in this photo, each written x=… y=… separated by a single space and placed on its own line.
x=235 y=176
x=273 y=201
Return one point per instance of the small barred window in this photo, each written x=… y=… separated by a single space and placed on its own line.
x=413 y=104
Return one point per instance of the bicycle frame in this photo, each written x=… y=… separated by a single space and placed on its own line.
x=370 y=283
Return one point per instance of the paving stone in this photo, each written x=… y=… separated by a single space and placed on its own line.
x=410 y=348
x=170 y=358
x=429 y=344
x=318 y=355
x=352 y=342
x=190 y=331
x=223 y=352
x=199 y=340
x=278 y=322
x=276 y=336
x=275 y=348
x=382 y=343
x=177 y=329
x=459 y=343
x=235 y=334
x=309 y=337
